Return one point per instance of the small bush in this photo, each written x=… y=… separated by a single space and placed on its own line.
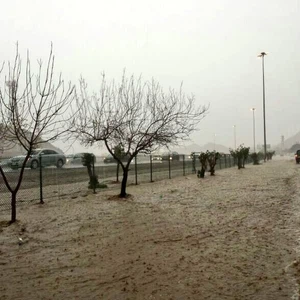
x=212 y=158
x=270 y=154
x=240 y=155
x=255 y=157
x=95 y=184
x=102 y=185
x=203 y=161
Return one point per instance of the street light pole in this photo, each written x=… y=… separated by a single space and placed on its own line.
x=262 y=55
x=253 y=110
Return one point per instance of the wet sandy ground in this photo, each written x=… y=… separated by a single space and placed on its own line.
x=232 y=236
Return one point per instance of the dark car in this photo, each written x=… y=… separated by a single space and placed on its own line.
x=49 y=157
x=170 y=156
x=297 y=156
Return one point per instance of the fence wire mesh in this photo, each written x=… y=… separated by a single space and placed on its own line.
x=52 y=182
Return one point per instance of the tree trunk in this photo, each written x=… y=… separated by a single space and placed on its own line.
x=202 y=172
x=13 y=207
x=212 y=169
x=89 y=170
x=124 y=183
x=239 y=163
x=118 y=167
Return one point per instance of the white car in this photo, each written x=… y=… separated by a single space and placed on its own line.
x=48 y=157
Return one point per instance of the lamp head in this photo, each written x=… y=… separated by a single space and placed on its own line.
x=262 y=54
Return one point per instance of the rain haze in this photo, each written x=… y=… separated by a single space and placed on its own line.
x=210 y=46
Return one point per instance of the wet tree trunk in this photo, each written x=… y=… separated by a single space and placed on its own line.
x=212 y=169
x=118 y=168
x=13 y=192
x=202 y=172
x=13 y=207
x=240 y=163
x=89 y=170
x=124 y=183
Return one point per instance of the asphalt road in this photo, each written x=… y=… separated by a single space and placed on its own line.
x=78 y=173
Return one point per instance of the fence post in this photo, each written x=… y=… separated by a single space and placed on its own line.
x=169 y=166
x=220 y=162
x=183 y=162
x=93 y=165
x=135 y=169
x=194 y=162
x=151 y=179
x=41 y=180
x=225 y=160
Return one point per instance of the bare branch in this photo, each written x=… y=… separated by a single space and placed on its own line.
x=33 y=108
x=137 y=115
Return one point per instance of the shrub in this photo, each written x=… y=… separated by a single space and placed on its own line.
x=95 y=184
x=88 y=161
x=270 y=154
x=203 y=161
x=260 y=155
x=240 y=155
x=255 y=158
x=245 y=154
x=212 y=158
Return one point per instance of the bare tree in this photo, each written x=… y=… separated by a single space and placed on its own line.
x=137 y=116
x=32 y=110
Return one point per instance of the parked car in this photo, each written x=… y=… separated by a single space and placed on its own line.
x=171 y=156
x=49 y=157
x=77 y=159
x=297 y=157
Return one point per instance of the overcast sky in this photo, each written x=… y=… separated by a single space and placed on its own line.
x=210 y=46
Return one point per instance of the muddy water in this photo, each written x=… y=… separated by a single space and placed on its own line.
x=231 y=236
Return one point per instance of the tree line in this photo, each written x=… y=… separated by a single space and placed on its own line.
x=133 y=115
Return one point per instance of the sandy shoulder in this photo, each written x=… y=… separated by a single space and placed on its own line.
x=232 y=236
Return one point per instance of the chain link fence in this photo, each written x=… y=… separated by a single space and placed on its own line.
x=51 y=182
